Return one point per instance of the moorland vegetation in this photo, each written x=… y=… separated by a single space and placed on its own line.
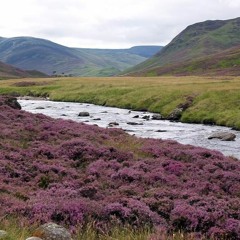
x=75 y=174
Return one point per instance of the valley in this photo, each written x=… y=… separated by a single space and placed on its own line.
x=138 y=143
x=54 y=59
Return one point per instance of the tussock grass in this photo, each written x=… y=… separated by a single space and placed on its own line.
x=17 y=230
x=216 y=99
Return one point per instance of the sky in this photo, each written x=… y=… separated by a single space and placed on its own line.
x=109 y=23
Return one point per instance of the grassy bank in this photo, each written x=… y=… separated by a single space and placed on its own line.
x=215 y=99
x=22 y=232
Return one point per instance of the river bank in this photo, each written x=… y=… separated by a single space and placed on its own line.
x=208 y=100
x=141 y=124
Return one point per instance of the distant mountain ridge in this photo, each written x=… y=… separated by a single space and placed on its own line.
x=43 y=55
x=8 y=71
x=196 y=41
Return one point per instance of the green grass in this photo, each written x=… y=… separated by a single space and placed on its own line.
x=216 y=99
x=14 y=230
x=18 y=230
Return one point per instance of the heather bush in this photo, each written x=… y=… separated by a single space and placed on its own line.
x=71 y=173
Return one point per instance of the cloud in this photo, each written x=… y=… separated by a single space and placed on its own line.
x=109 y=23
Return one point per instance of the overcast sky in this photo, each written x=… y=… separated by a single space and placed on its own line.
x=109 y=23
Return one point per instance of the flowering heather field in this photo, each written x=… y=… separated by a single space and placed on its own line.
x=71 y=173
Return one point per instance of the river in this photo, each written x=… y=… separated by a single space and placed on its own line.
x=194 y=134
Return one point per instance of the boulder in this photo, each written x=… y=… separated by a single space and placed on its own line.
x=52 y=231
x=84 y=114
x=136 y=116
x=3 y=234
x=224 y=136
x=134 y=123
x=156 y=117
x=112 y=124
x=146 y=117
x=175 y=115
x=10 y=101
x=188 y=103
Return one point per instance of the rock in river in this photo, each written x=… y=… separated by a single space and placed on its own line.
x=224 y=136
x=175 y=115
x=84 y=114
x=146 y=117
x=156 y=117
x=112 y=124
x=134 y=123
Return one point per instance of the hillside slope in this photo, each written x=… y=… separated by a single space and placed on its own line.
x=8 y=71
x=224 y=63
x=51 y=58
x=196 y=41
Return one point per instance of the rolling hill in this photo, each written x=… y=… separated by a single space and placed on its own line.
x=224 y=63
x=8 y=71
x=194 y=44
x=33 y=53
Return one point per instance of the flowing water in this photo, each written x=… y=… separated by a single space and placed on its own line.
x=194 y=134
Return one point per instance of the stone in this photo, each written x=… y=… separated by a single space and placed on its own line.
x=10 y=101
x=208 y=122
x=146 y=117
x=156 y=117
x=175 y=115
x=112 y=124
x=134 y=123
x=52 y=231
x=224 y=136
x=97 y=119
x=84 y=114
x=3 y=234
x=188 y=103
x=34 y=238
x=40 y=108
x=161 y=131
x=136 y=116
